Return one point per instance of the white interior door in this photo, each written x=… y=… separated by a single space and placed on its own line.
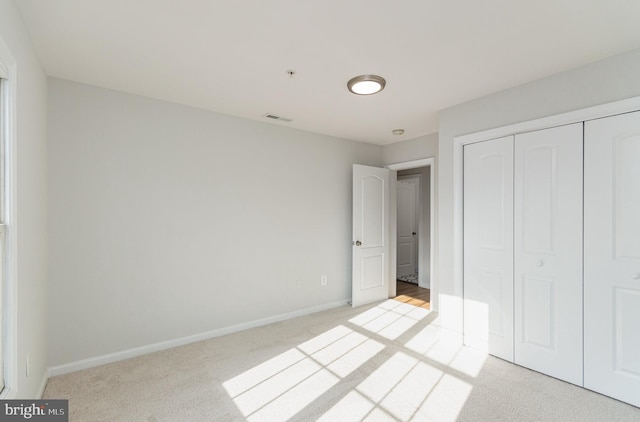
x=370 y=280
x=488 y=246
x=612 y=257
x=548 y=251
x=408 y=202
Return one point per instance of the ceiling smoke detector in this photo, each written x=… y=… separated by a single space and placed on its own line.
x=366 y=84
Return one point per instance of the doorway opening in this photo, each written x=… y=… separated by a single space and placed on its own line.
x=412 y=225
x=409 y=225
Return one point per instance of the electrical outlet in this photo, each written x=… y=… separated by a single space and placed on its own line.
x=28 y=364
x=323 y=280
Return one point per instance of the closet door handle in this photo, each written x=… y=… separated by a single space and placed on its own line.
x=636 y=276
x=539 y=263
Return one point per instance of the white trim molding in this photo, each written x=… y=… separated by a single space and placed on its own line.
x=590 y=113
x=169 y=344
x=406 y=165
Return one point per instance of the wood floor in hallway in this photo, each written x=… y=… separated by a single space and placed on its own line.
x=413 y=295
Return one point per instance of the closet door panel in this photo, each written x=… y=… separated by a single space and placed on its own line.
x=612 y=257
x=548 y=251
x=488 y=246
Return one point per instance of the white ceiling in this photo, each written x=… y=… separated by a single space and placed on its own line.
x=231 y=56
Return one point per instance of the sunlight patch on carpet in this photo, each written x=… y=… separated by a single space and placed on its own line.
x=447 y=348
x=446 y=401
x=406 y=389
x=406 y=386
x=282 y=386
x=390 y=319
x=262 y=372
x=469 y=361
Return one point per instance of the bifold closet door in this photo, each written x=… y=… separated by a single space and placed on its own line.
x=612 y=257
x=548 y=251
x=488 y=246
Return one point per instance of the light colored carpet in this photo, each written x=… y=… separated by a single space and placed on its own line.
x=383 y=362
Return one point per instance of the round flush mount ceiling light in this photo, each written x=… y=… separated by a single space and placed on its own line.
x=366 y=84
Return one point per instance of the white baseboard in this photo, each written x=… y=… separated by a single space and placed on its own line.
x=143 y=350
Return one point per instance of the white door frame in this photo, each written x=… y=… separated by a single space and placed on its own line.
x=395 y=167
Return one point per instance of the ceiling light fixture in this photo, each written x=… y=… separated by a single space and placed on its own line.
x=366 y=84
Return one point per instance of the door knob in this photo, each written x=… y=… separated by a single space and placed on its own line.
x=636 y=276
x=539 y=264
x=357 y=243
x=414 y=233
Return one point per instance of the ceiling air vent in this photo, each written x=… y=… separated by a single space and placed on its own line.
x=276 y=117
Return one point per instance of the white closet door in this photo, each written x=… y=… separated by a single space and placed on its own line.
x=488 y=246
x=548 y=251
x=612 y=257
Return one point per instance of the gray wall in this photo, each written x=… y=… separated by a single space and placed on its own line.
x=412 y=149
x=169 y=221
x=28 y=226
x=606 y=81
